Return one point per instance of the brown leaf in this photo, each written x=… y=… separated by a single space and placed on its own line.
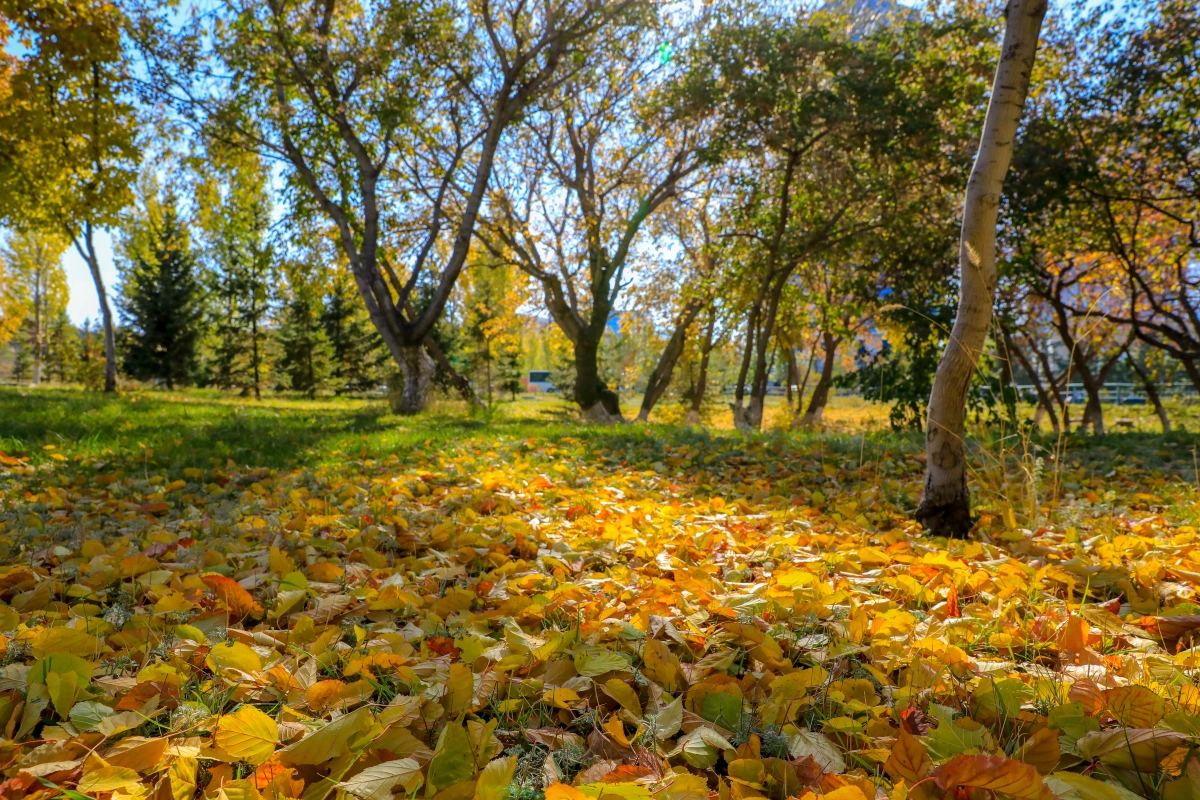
x=994 y=773
x=1041 y=750
x=1170 y=627
x=1139 y=749
x=914 y=720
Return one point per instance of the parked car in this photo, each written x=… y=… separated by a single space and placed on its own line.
x=539 y=381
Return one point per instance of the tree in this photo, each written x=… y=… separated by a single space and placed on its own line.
x=593 y=168
x=945 y=507
x=492 y=329
x=68 y=152
x=234 y=214
x=833 y=135
x=92 y=366
x=161 y=298
x=306 y=358
x=391 y=118
x=36 y=280
x=357 y=352
x=62 y=357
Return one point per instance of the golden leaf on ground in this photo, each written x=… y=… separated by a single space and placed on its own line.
x=247 y=734
x=908 y=761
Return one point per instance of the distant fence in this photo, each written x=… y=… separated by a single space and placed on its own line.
x=1121 y=394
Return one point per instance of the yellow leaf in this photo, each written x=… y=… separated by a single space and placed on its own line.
x=233 y=655
x=624 y=694
x=247 y=734
x=495 y=778
x=561 y=791
x=69 y=641
x=560 y=698
x=1135 y=706
x=459 y=689
x=107 y=779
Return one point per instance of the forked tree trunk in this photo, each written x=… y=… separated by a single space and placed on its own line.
x=1151 y=393
x=410 y=388
x=945 y=507
x=660 y=378
x=820 y=396
x=87 y=249
x=1045 y=403
x=812 y=357
x=693 y=414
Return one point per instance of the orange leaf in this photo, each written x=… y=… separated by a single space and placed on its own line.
x=1135 y=706
x=995 y=773
x=1170 y=627
x=1073 y=638
x=233 y=595
x=909 y=761
x=952 y=610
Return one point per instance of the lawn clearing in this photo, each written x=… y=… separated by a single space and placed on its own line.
x=306 y=598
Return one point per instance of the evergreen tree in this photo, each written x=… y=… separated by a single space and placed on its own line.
x=234 y=213
x=358 y=351
x=161 y=299
x=63 y=353
x=22 y=362
x=306 y=356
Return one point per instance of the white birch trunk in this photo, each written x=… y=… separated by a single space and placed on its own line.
x=945 y=508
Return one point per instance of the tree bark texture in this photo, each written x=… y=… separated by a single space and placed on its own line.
x=945 y=507
x=660 y=378
x=820 y=396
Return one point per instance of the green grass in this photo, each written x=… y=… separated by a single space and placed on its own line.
x=169 y=431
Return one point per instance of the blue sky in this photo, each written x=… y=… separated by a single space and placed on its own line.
x=84 y=303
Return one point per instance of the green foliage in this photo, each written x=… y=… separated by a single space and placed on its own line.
x=161 y=297
x=62 y=358
x=357 y=352
x=305 y=361
x=234 y=214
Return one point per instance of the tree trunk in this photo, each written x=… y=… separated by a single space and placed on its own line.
x=693 y=415
x=457 y=380
x=257 y=372
x=816 y=406
x=945 y=507
x=812 y=357
x=88 y=254
x=793 y=378
x=739 y=392
x=753 y=416
x=660 y=378
x=1045 y=404
x=410 y=388
x=1151 y=393
x=1093 y=411
x=598 y=402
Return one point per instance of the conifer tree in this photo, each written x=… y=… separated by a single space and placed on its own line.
x=62 y=357
x=358 y=352
x=234 y=214
x=306 y=358
x=161 y=298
